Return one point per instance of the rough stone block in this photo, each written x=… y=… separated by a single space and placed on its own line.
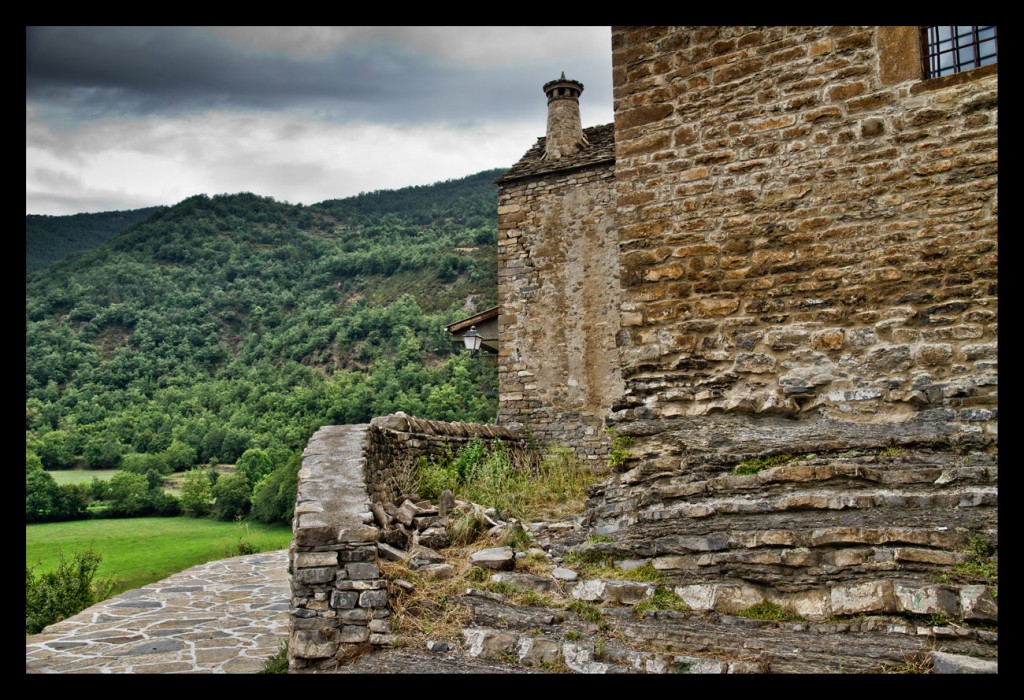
x=381 y=626
x=315 y=536
x=354 y=634
x=362 y=570
x=620 y=592
x=489 y=643
x=537 y=651
x=355 y=616
x=358 y=535
x=373 y=599
x=977 y=603
x=324 y=574
x=943 y=662
x=858 y=598
x=344 y=599
x=308 y=560
x=313 y=644
x=496 y=559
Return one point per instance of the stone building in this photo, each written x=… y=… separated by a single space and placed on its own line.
x=776 y=274
x=558 y=281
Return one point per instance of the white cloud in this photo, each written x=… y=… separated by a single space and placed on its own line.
x=295 y=159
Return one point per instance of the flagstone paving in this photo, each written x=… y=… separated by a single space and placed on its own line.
x=226 y=616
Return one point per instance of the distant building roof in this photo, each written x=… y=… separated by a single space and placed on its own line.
x=601 y=149
x=473 y=320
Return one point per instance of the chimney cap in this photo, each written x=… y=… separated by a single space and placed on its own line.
x=563 y=82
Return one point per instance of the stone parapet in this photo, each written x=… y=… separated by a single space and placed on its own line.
x=339 y=594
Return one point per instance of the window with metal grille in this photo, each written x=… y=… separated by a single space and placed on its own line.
x=951 y=50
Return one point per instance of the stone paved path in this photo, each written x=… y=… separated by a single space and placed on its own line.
x=224 y=616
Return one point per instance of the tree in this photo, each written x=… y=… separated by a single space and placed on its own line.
x=41 y=493
x=231 y=496
x=56 y=450
x=179 y=456
x=129 y=494
x=197 y=493
x=72 y=501
x=273 y=498
x=102 y=452
x=254 y=464
x=143 y=463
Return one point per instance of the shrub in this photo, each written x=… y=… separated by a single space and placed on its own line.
x=516 y=485
x=231 y=497
x=620 y=449
x=278 y=663
x=434 y=478
x=197 y=492
x=56 y=595
x=129 y=494
x=586 y=611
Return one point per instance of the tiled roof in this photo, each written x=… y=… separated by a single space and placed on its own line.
x=473 y=320
x=601 y=149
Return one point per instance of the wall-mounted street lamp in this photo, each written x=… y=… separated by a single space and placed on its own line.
x=472 y=339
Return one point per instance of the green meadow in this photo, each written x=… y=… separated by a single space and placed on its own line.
x=138 y=551
x=80 y=476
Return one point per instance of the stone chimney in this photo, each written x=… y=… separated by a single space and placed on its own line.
x=565 y=132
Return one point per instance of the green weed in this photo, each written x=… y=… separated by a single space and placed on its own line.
x=584 y=610
x=759 y=464
x=515 y=482
x=500 y=587
x=619 y=452
x=537 y=600
x=278 y=663
x=981 y=564
x=663 y=599
x=770 y=611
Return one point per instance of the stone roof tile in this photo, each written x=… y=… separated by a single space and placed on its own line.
x=600 y=150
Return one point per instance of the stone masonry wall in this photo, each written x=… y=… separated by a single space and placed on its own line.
x=558 y=289
x=339 y=594
x=808 y=250
x=798 y=238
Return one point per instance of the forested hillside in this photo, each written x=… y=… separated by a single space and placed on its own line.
x=52 y=238
x=234 y=322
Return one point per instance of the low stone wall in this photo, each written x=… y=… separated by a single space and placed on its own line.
x=396 y=442
x=339 y=594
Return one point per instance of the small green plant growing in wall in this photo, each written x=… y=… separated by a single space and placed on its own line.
x=981 y=564
x=663 y=599
x=758 y=464
x=770 y=611
x=586 y=611
x=619 y=452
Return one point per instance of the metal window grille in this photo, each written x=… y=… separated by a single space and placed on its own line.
x=951 y=50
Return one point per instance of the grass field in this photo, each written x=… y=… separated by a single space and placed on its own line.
x=80 y=476
x=137 y=551
x=172 y=482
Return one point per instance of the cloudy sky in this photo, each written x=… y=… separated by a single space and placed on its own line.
x=129 y=117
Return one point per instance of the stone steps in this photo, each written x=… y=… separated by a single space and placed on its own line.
x=625 y=641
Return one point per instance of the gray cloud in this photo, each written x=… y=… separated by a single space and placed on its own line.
x=399 y=75
x=124 y=117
